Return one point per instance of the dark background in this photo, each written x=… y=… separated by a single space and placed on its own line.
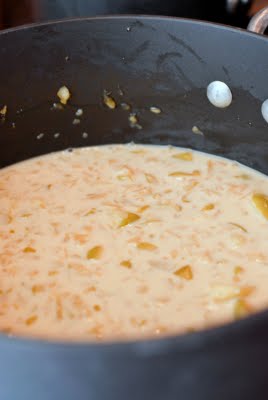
x=17 y=12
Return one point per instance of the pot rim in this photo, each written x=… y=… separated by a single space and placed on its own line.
x=109 y=17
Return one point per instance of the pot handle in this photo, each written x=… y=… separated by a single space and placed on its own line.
x=259 y=22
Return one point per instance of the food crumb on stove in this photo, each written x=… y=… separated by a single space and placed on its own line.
x=84 y=135
x=57 y=106
x=125 y=106
x=3 y=112
x=79 y=112
x=155 y=110
x=133 y=120
x=76 y=121
x=40 y=136
x=108 y=100
x=64 y=94
x=56 y=135
x=120 y=91
x=197 y=131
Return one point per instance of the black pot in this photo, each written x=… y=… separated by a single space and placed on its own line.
x=168 y=63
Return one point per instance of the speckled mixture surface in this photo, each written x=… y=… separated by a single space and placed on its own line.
x=130 y=241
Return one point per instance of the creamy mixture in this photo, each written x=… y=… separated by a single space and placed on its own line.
x=130 y=241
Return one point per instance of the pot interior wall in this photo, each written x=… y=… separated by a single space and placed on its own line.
x=144 y=62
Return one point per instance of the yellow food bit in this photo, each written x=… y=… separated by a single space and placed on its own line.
x=143 y=208
x=126 y=264
x=97 y=307
x=246 y=291
x=155 y=110
x=261 y=203
x=124 y=177
x=90 y=212
x=191 y=185
x=90 y=289
x=64 y=94
x=185 y=273
x=180 y=173
x=52 y=273
x=138 y=323
x=97 y=331
x=37 y=288
x=59 y=308
x=95 y=253
x=241 y=309
x=146 y=246
x=184 y=156
x=239 y=227
x=150 y=178
x=9 y=219
x=109 y=101
x=238 y=270
x=185 y=199
x=208 y=207
x=129 y=219
x=31 y=320
x=3 y=112
x=243 y=176
x=29 y=250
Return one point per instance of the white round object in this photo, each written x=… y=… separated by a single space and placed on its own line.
x=264 y=110
x=219 y=94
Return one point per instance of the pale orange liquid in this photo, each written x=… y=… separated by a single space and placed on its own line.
x=128 y=241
